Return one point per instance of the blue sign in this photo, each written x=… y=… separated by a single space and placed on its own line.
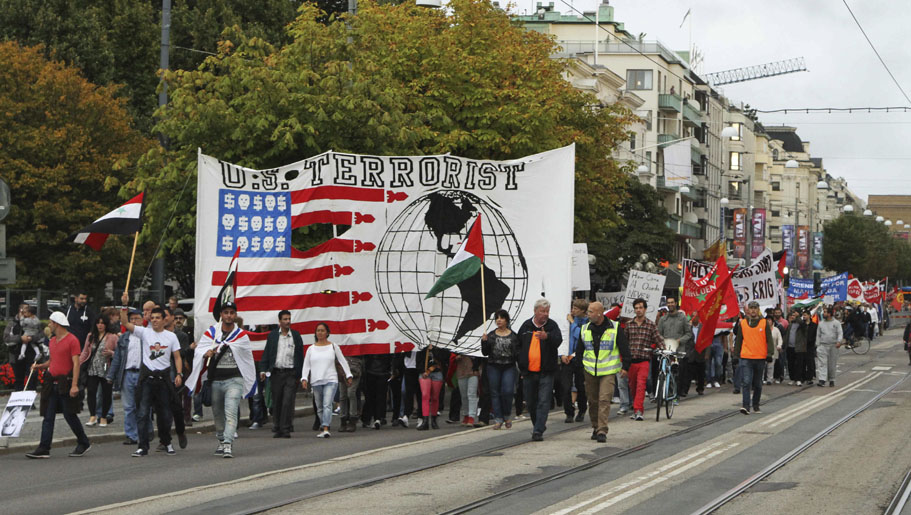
x=797 y=288
x=836 y=286
x=259 y=223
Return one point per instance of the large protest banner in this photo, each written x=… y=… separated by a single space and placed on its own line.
x=740 y=233
x=797 y=288
x=399 y=222
x=643 y=285
x=787 y=244
x=757 y=281
x=835 y=286
x=610 y=297
x=758 y=228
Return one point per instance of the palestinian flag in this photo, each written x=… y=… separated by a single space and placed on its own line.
x=466 y=263
x=228 y=293
x=126 y=219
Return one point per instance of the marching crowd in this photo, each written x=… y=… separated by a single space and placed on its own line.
x=162 y=374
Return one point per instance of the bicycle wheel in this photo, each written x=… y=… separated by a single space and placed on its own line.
x=659 y=394
x=670 y=396
x=861 y=346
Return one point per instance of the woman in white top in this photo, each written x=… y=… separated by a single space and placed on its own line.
x=320 y=372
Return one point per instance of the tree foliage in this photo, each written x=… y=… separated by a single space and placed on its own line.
x=65 y=144
x=397 y=79
x=865 y=248
x=643 y=230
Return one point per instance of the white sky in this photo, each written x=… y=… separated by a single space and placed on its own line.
x=871 y=151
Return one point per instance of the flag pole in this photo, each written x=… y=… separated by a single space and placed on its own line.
x=24 y=388
x=126 y=289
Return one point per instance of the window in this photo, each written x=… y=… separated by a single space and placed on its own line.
x=648 y=160
x=775 y=154
x=632 y=141
x=648 y=120
x=734 y=159
x=739 y=127
x=776 y=213
x=776 y=186
x=638 y=79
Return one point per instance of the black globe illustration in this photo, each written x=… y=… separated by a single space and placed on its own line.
x=418 y=246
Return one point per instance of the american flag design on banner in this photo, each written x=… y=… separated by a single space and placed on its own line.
x=404 y=218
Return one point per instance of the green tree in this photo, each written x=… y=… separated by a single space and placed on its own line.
x=643 y=230
x=400 y=80
x=65 y=147
x=861 y=246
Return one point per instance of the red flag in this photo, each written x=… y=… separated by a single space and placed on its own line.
x=710 y=311
x=696 y=291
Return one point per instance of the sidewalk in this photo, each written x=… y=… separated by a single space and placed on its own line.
x=63 y=437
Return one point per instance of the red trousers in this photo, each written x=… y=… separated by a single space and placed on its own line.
x=638 y=375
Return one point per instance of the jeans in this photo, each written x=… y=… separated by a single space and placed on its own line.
x=539 y=389
x=623 y=392
x=323 y=395
x=468 y=387
x=751 y=375
x=226 y=396
x=713 y=368
x=55 y=405
x=129 y=400
x=154 y=393
x=738 y=376
x=502 y=381
x=257 y=404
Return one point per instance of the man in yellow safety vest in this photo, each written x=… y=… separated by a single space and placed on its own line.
x=603 y=353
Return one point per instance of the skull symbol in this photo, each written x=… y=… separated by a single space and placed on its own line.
x=268 y=224
x=243 y=201
x=242 y=224
x=270 y=202
x=227 y=243
x=256 y=223
x=242 y=243
x=281 y=223
x=268 y=242
x=229 y=200
x=254 y=244
x=227 y=220
x=258 y=203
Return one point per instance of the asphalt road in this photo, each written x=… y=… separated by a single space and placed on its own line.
x=856 y=469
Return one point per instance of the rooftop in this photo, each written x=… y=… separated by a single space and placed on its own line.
x=788 y=137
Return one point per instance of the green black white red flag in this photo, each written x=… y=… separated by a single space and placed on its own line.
x=466 y=263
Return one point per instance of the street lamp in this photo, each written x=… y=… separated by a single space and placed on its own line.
x=684 y=189
x=879 y=219
x=642 y=169
x=822 y=185
x=791 y=164
x=888 y=223
x=900 y=222
x=907 y=226
x=868 y=212
x=849 y=208
x=724 y=201
x=729 y=132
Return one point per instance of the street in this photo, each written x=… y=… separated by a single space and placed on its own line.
x=677 y=466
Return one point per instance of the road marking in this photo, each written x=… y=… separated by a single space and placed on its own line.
x=858 y=372
x=693 y=459
x=882 y=368
x=809 y=402
x=828 y=398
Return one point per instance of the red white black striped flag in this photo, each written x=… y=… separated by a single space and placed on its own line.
x=126 y=219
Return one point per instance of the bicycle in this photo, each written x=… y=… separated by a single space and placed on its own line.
x=666 y=384
x=860 y=345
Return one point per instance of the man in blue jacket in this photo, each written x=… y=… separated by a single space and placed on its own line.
x=124 y=375
x=282 y=361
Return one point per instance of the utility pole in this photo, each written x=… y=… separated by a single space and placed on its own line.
x=158 y=265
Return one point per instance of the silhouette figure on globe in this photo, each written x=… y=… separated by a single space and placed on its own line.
x=418 y=246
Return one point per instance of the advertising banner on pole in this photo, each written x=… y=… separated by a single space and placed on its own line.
x=803 y=249
x=740 y=233
x=758 y=228
x=787 y=244
x=817 y=251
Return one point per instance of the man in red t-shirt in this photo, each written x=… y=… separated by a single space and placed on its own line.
x=61 y=389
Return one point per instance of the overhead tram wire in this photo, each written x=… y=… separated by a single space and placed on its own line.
x=862 y=31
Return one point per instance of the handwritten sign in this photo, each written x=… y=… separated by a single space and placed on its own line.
x=643 y=285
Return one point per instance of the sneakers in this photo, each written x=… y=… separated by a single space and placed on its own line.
x=161 y=448
x=220 y=450
x=791 y=383
x=831 y=383
x=376 y=425
x=139 y=453
x=708 y=385
x=602 y=438
x=469 y=422
x=639 y=417
x=756 y=409
x=325 y=434
x=92 y=422
x=821 y=383
x=38 y=454
x=254 y=426
x=182 y=440
x=580 y=417
x=226 y=453
x=569 y=419
x=717 y=384
x=622 y=411
x=170 y=450
x=537 y=437
x=197 y=418
x=403 y=421
x=632 y=415
x=799 y=383
x=745 y=411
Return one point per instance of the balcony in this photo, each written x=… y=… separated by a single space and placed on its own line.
x=670 y=102
x=691 y=115
x=697 y=152
x=662 y=185
x=666 y=139
x=685 y=229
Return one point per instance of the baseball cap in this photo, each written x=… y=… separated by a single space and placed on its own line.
x=753 y=304
x=179 y=312
x=229 y=305
x=60 y=319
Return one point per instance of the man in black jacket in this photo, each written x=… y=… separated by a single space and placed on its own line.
x=282 y=361
x=81 y=317
x=539 y=339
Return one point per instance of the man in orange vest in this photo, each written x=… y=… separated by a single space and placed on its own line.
x=754 y=347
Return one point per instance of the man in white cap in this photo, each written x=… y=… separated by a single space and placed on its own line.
x=60 y=393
